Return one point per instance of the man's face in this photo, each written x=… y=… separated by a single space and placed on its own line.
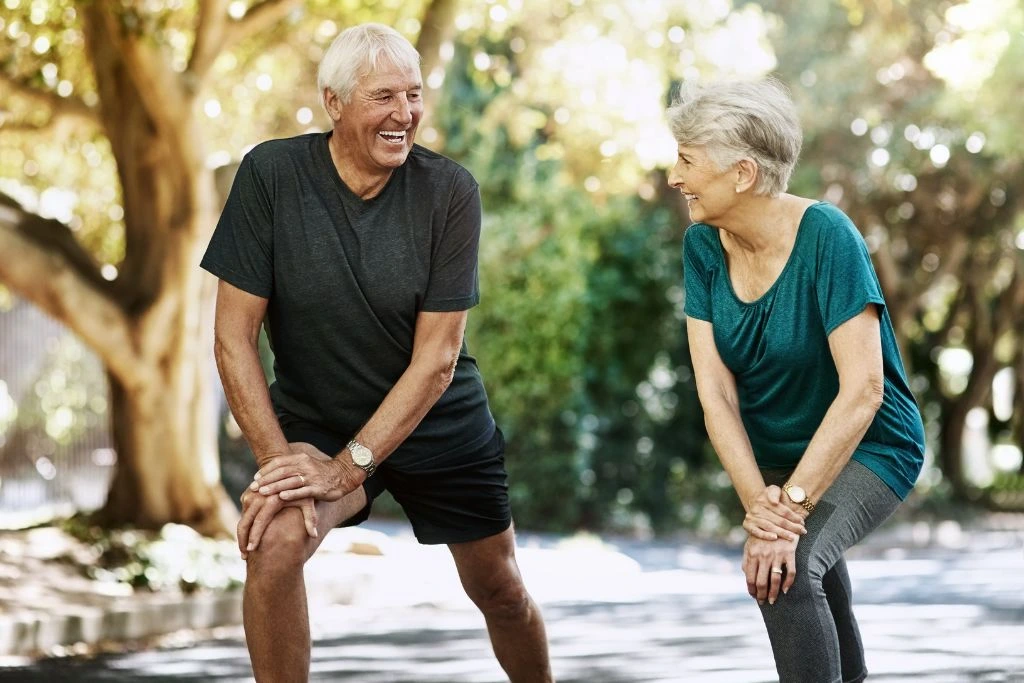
x=377 y=126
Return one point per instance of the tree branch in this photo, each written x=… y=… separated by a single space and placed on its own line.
x=44 y=264
x=217 y=32
x=60 y=107
x=437 y=27
x=158 y=87
x=260 y=17
x=211 y=24
x=59 y=128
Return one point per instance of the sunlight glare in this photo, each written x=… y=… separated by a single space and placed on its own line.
x=966 y=63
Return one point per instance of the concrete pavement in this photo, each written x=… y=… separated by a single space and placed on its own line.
x=933 y=609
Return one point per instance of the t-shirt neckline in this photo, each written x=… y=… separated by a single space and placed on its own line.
x=785 y=268
x=347 y=194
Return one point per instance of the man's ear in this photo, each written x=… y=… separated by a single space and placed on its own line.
x=746 y=174
x=332 y=103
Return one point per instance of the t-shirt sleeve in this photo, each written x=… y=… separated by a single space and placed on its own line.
x=696 y=276
x=454 y=283
x=241 y=249
x=846 y=282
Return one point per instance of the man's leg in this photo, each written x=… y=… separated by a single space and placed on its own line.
x=274 y=610
x=490 y=575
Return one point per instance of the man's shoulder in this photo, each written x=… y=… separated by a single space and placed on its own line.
x=430 y=163
x=271 y=152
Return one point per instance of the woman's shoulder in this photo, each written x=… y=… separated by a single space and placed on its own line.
x=828 y=223
x=699 y=241
x=700 y=233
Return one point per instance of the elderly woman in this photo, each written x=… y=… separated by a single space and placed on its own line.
x=804 y=393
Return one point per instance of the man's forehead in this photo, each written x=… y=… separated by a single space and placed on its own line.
x=391 y=79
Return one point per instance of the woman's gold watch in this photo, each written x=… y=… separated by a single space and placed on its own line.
x=798 y=496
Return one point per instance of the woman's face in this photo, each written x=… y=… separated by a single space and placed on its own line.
x=709 y=191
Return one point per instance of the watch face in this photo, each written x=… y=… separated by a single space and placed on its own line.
x=796 y=494
x=360 y=454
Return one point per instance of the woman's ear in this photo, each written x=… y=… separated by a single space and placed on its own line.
x=746 y=175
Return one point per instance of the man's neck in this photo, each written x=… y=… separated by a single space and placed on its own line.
x=363 y=183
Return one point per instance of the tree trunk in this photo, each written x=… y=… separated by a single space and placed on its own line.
x=164 y=419
x=153 y=325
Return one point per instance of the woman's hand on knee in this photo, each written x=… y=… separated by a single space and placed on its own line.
x=769 y=518
x=769 y=566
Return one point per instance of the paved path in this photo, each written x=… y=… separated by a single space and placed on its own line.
x=646 y=613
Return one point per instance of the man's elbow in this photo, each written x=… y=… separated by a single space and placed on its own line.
x=226 y=343
x=447 y=373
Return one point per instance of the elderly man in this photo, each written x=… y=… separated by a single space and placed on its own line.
x=358 y=251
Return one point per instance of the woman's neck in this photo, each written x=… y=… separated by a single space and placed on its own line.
x=762 y=225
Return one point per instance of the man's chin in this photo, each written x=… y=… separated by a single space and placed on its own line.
x=394 y=159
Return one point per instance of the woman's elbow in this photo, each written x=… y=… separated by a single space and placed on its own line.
x=874 y=393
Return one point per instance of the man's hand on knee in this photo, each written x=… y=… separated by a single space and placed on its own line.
x=257 y=512
x=307 y=472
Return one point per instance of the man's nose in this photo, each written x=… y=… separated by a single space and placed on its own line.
x=403 y=112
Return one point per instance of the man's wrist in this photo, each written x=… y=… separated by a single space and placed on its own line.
x=362 y=457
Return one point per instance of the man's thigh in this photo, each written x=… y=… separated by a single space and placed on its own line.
x=458 y=502
x=332 y=444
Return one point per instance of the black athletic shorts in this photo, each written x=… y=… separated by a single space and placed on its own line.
x=447 y=499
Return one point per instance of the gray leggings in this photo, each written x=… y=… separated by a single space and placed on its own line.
x=812 y=629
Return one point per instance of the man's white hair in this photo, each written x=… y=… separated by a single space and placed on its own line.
x=358 y=51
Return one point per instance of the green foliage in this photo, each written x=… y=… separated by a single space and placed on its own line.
x=907 y=109
x=556 y=107
x=579 y=335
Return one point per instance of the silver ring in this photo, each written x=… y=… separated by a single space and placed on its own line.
x=302 y=479
x=776 y=570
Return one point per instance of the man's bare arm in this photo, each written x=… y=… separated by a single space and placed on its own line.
x=236 y=338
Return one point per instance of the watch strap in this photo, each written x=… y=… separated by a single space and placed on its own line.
x=806 y=503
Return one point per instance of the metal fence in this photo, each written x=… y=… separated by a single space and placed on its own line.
x=55 y=446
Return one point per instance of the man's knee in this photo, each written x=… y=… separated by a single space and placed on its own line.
x=283 y=545
x=504 y=599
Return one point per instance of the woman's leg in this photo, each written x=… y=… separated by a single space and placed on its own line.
x=839 y=593
x=812 y=630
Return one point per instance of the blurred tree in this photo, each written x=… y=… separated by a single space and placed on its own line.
x=122 y=102
x=558 y=109
x=908 y=110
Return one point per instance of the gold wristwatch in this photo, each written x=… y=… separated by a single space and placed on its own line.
x=798 y=496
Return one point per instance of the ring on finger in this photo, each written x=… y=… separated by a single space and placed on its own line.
x=776 y=570
x=302 y=480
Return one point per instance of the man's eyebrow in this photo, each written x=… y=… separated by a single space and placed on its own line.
x=388 y=91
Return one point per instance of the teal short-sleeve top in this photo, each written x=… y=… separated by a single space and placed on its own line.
x=777 y=346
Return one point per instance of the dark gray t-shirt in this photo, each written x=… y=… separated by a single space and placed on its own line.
x=345 y=279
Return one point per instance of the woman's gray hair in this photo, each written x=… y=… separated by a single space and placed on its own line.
x=738 y=120
x=358 y=51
